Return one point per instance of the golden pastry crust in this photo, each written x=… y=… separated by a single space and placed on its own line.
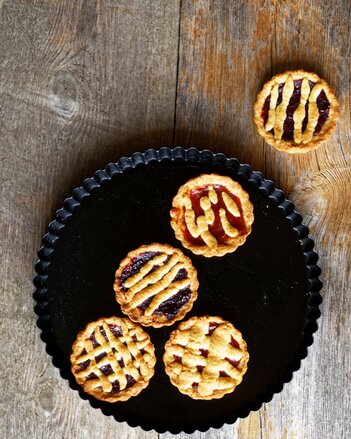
x=162 y=289
x=120 y=355
x=225 y=219
x=302 y=141
x=206 y=357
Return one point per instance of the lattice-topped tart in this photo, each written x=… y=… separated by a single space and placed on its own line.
x=156 y=285
x=206 y=357
x=296 y=111
x=211 y=215
x=113 y=359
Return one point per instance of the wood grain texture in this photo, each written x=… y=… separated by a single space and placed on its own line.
x=83 y=82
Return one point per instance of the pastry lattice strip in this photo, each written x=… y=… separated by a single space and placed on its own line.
x=125 y=349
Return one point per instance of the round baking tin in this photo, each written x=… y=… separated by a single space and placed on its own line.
x=269 y=288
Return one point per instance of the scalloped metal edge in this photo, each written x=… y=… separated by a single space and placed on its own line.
x=180 y=154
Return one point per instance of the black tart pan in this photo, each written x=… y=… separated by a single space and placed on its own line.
x=268 y=288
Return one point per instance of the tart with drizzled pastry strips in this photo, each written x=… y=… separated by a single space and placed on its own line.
x=113 y=359
x=211 y=215
x=206 y=357
x=156 y=285
x=296 y=111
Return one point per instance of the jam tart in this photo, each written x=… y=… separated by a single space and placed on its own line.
x=296 y=111
x=156 y=285
x=211 y=215
x=113 y=359
x=206 y=357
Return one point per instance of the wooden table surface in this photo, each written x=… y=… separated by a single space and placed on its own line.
x=83 y=82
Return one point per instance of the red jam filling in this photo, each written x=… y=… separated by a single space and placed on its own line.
x=215 y=228
x=212 y=327
x=234 y=363
x=234 y=343
x=323 y=105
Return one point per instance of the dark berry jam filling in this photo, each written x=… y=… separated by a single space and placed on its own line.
x=99 y=357
x=102 y=331
x=288 y=127
x=204 y=352
x=170 y=308
x=177 y=358
x=116 y=330
x=146 y=303
x=115 y=387
x=93 y=340
x=106 y=369
x=91 y=376
x=200 y=368
x=265 y=109
x=84 y=365
x=323 y=105
x=136 y=263
x=215 y=228
x=222 y=373
x=130 y=381
x=182 y=274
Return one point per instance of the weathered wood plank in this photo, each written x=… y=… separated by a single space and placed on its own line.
x=81 y=83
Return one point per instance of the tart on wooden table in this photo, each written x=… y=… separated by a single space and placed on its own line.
x=211 y=215
x=113 y=359
x=206 y=357
x=156 y=285
x=296 y=111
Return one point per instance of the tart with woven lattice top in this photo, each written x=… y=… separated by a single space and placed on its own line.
x=296 y=111
x=211 y=215
x=156 y=285
x=206 y=357
x=113 y=359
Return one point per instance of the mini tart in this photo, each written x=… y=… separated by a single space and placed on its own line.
x=206 y=357
x=113 y=359
x=211 y=215
x=156 y=285
x=296 y=111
